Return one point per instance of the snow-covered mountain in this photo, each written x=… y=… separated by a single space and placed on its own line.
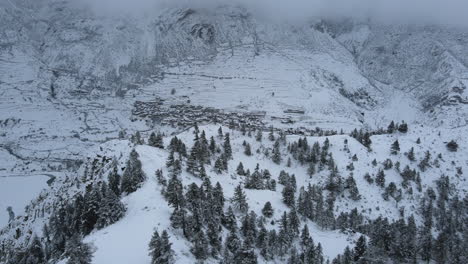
x=77 y=85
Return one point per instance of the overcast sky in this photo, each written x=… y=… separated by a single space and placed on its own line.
x=396 y=11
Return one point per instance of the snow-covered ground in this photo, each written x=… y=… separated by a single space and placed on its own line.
x=127 y=240
x=17 y=192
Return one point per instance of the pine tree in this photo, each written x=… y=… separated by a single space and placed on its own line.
x=240 y=169
x=160 y=177
x=353 y=189
x=240 y=199
x=137 y=139
x=276 y=157
x=176 y=169
x=35 y=252
x=159 y=141
x=77 y=251
x=133 y=176
x=170 y=159
x=114 y=179
x=288 y=195
x=227 y=146
x=232 y=242
x=212 y=146
x=214 y=239
x=219 y=167
x=200 y=246
x=410 y=154
x=92 y=200
x=255 y=181
x=311 y=170
x=403 y=127
x=425 y=233
x=306 y=240
x=152 y=140
x=259 y=135
x=293 y=221
x=247 y=150
x=174 y=193
x=155 y=247
x=360 y=248
x=229 y=220
x=202 y=172
x=391 y=127
x=271 y=135
x=160 y=248
x=192 y=161
x=380 y=179
x=267 y=210
x=111 y=209
x=452 y=146
x=395 y=148
x=245 y=255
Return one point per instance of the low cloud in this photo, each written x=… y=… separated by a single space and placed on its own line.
x=449 y=12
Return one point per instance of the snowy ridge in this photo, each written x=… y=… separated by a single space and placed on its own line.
x=147 y=209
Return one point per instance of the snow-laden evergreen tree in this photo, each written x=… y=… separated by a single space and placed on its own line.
x=239 y=199
x=35 y=252
x=271 y=135
x=403 y=127
x=200 y=246
x=77 y=251
x=276 y=153
x=111 y=209
x=353 y=189
x=156 y=140
x=192 y=163
x=259 y=135
x=133 y=176
x=267 y=210
x=214 y=239
x=294 y=222
x=170 y=159
x=360 y=248
x=425 y=233
x=227 y=146
x=160 y=248
x=452 y=146
x=391 y=127
x=410 y=154
x=160 y=177
x=229 y=220
x=247 y=150
x=395 y=148
x=240 y=169
x=176 y=168
x=92 y=201
x=380 y=179
x=255 y=181
x=288 y=195
x=114 y=179
x=245 y=255
x=219 y=166
x=174 y=192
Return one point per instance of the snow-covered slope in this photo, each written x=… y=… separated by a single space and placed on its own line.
x=73 y=83
x=147 y=210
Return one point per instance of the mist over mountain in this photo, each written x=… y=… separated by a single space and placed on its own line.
x=438 y=12
x=208 y=131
